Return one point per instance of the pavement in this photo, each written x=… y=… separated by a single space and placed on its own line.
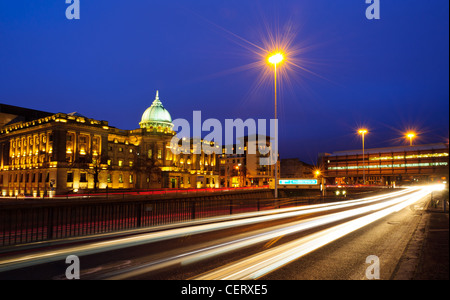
x=427 y=254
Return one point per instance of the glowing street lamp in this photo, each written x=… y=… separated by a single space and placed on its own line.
x=275 y=59
x=363 y=132
x=410 y=135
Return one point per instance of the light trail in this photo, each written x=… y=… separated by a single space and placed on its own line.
x=267 y=261
x=216 y=248
x=221 y=223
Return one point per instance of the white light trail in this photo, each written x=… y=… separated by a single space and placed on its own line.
x=262 y=263
x=10 y=263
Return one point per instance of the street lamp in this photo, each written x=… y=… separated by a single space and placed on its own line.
x=363 y=132
x=275 y=59
x=410 y=135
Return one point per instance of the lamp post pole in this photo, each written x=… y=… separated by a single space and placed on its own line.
x=276 y=132
x=363 y=133
x=364 y=168
x=276 y=59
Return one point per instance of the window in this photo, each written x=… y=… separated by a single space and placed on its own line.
x=131 y=178
x=108 y=178
x=159 y=153
x=120 y=149
x=120 y=178
x=150 y=153
x=120 y=163
x=69 y=177
x=83 y=177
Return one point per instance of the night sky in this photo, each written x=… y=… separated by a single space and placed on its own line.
x=389 y=75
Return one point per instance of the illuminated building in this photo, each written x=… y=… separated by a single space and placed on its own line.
x=388 y=166
x=243 y=168
x=43 y=153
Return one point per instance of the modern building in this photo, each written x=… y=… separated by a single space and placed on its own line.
x=387 y=166
x=243 y=168
x=43 y=153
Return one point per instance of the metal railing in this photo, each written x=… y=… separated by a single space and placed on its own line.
x=27 y=223
x=36 y=222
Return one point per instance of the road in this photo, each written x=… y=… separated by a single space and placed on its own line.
x=322 y=241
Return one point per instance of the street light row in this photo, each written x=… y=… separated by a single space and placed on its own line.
x=364 y=131
x=410 y=135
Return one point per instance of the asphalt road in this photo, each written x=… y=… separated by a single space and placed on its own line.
x=345 y=259
x=328 y=241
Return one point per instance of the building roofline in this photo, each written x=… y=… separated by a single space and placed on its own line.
x=391 y=149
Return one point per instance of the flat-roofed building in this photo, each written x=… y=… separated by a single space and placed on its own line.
x=295 y=168
x=387 y=166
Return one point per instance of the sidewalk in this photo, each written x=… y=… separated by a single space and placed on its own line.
x=427 y=255
x=434 y=258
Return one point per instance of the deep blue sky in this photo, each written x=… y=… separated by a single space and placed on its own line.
x=389 y=74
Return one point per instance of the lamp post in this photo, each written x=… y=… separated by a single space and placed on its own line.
x=275 y=59
x=410 y=135
x=363 y=132
x=318 y=174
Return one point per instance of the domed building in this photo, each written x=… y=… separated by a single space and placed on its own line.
x=68 y=153
x=156 y=117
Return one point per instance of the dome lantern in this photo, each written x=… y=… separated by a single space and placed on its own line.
x=156 y=116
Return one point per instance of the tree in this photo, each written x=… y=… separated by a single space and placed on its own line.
x=90 y=164
x=146 y=166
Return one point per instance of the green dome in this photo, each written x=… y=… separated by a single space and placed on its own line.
x=156 y=116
